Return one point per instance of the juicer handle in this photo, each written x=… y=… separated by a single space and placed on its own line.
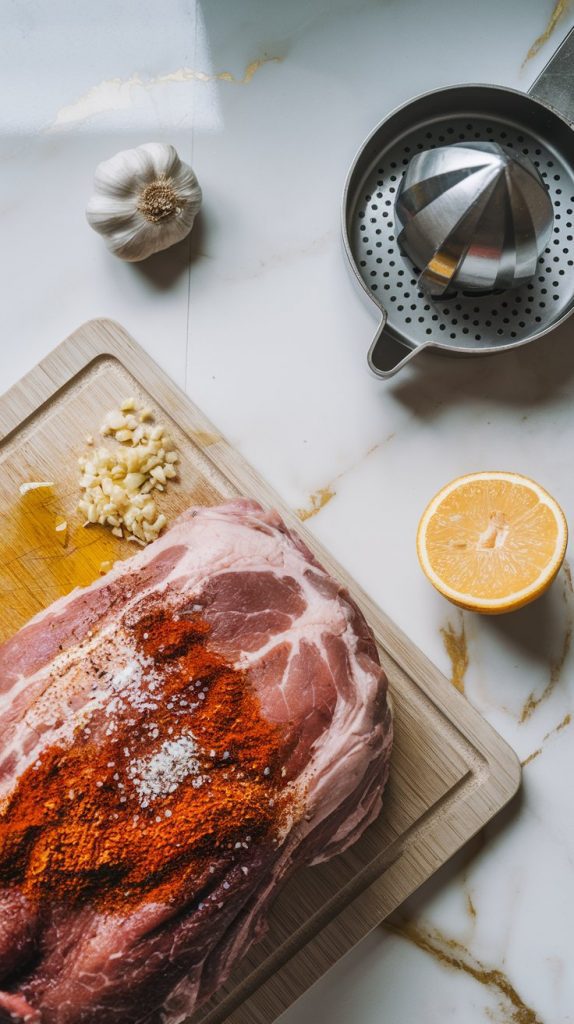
x=555 y=83
x=387 y=355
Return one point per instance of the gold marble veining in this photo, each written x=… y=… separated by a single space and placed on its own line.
x=317 y=501
x=451 y=953
x=533 y=701
x=187 y=74
x=558 y=11
x=255 y=65
x=470 y=907
x=323 y=496
x=566 y=721
x=531 y=757
x=379 y=444
x=107 y=94
x=455 y=645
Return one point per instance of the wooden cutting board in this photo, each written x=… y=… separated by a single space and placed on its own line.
x=450 y=772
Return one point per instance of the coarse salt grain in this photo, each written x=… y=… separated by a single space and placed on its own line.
x=160 y=774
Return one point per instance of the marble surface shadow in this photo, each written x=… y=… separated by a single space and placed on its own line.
x=522 y=378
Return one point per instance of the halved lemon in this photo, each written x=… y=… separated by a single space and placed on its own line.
x=491 y=542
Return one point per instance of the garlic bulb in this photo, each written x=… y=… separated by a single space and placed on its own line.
x=144 y=200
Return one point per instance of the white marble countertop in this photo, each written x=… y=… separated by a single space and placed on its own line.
x=263 y=328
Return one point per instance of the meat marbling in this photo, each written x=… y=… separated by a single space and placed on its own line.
x=309 y=656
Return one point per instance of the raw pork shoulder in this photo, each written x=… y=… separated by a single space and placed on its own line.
x=142 y=836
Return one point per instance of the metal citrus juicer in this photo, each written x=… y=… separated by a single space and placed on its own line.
x=474 y=216
x=458 y=218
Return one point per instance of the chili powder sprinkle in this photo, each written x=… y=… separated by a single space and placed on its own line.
x=172 y=776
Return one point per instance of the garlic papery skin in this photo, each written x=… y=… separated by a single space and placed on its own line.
x=145 y=199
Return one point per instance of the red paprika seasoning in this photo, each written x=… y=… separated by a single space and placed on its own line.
x=147 y=800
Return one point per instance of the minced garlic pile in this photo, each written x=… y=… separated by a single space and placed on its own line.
x=117 y=484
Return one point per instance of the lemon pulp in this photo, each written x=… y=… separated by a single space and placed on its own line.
x=492 y=541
